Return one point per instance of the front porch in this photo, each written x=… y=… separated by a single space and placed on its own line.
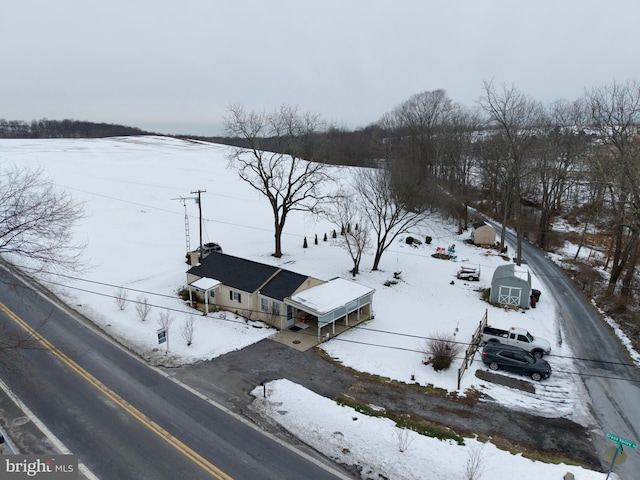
x=303 y=339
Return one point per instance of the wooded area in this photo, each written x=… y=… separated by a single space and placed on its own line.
x=568 y=170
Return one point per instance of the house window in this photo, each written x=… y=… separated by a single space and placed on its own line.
x=235 y=296
x=275 y=308
x=264 y=304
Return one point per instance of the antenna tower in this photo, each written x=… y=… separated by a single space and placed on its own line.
x=187 y=234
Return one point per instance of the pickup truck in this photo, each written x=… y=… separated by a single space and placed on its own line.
x=469 y=273
x=518 y=337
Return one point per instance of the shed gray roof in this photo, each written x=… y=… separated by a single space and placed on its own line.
x=505 y=271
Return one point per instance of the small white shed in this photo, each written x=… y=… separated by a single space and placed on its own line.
x=483 y=234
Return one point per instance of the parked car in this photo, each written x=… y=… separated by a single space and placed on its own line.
x=515 y=359
x=207 y=248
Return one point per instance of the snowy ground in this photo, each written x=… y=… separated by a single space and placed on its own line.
x=135 y=231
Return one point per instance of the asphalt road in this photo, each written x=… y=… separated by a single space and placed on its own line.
x=125 y=420
x=611 y=380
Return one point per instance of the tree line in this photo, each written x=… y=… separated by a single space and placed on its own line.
x=45 y=128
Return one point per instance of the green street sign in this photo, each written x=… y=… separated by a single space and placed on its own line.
x=622 y=441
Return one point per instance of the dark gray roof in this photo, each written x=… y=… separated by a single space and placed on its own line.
x=234 y=272
x=249 y=276
x=282 y=285
x=479 y=224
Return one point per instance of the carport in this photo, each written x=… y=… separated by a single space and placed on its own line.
x=334 y=301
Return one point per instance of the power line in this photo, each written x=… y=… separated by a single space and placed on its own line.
x=337 y=338
x=342 y=339
x=233 y=224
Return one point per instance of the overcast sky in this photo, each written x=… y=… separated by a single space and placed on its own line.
x=175 y=66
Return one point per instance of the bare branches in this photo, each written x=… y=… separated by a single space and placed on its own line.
x=388 y=213
x=165 y=319
x=12 y=341
x=36 y=220
x=441 y=350
x=403 y=438
x=615 y=112
x=475 y=466
x=187 y=330
x=355 y=238
x=517 y=117
x=142 y=307
x=120 y=296
x=287 y=181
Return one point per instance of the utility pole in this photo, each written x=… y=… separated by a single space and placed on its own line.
x=199 y=202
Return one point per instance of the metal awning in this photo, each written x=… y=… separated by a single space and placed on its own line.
x=332 y=300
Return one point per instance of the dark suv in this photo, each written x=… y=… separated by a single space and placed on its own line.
x=208 y=248
x=515 y=359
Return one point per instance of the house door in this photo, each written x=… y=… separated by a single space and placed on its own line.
x=509 y=295
x=290 y=320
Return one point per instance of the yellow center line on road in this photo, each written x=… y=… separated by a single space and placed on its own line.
x=134 y=412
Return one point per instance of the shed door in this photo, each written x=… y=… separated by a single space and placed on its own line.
x=509 y=295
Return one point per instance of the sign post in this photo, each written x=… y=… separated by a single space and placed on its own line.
x=620 y=441
x=163 y=336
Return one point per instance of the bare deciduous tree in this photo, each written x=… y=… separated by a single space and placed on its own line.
x=142 y=307
x=474 y=468
x=120 y=296
x=421 y=116
x=404 y=439
x=36 y=221
x=561 y=144
x=615 y=113
x=458 y=156
x=165 y=319
x=388 y=213
x=288 y=181
x=516 y=117
x=187 y=329
x=355 y=240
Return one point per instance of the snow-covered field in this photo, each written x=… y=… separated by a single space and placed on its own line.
x=134 y=228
